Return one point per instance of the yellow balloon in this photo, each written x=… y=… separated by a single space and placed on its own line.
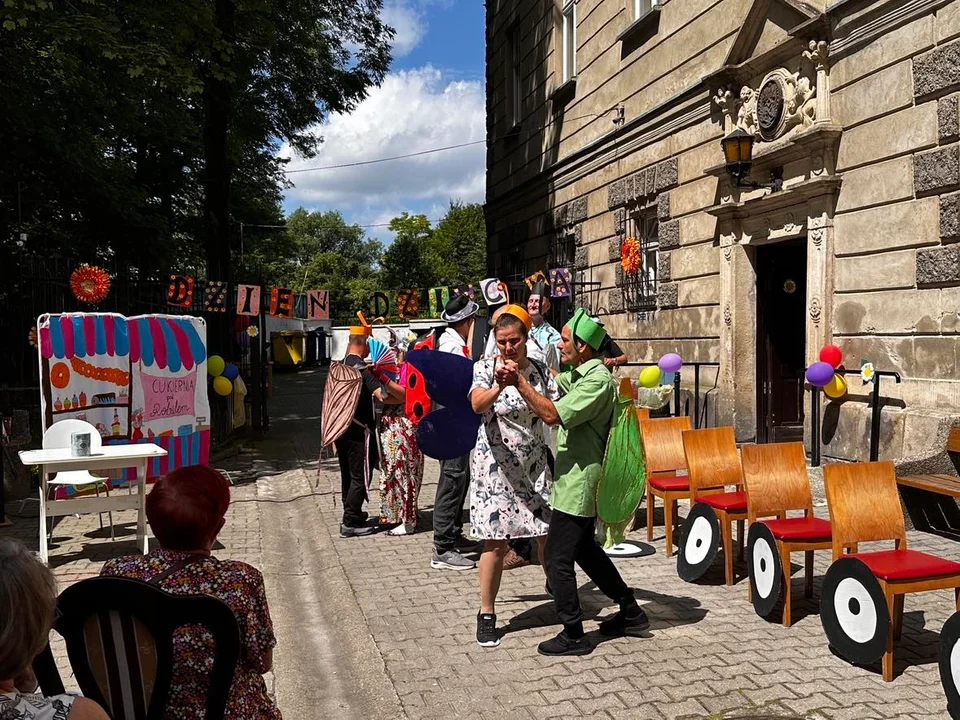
x=836 y=388
x=650 y=376
x=215 y=365
x=222 y=386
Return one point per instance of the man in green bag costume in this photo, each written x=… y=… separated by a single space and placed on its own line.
x=584 y=414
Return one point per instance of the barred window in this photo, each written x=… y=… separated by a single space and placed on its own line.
x=642 y=287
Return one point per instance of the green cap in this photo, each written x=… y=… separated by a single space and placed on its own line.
x=591 y=332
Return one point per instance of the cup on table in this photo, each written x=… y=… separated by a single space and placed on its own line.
x=80 y=444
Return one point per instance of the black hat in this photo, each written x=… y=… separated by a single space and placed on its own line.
x=459 y=308
x=540 y=288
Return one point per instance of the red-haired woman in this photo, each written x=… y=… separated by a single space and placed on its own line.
x=186 y=511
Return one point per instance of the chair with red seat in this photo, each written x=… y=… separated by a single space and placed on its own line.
x=663 y=455
x=712 y=465
x=861 y=606
x=776 y=480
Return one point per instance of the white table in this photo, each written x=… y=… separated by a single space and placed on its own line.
x=109 y=457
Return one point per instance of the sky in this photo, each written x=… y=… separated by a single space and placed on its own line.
x=432 y=97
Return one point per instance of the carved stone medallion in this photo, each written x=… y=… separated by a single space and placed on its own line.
x=727 y=315
x=815 y=310
x=770 y=106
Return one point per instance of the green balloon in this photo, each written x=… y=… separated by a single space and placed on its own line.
x=215 y=365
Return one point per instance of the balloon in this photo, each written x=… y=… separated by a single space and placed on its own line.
x=671 y=362
x=243 y=340
x=667 y=378
x=836 y=388
x=222 y=386
x=215 y=365
x=831 y=355
x=650 y=376
x=819 y=374
x=230 y=372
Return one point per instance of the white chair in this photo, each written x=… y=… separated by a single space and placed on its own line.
x=58 y=436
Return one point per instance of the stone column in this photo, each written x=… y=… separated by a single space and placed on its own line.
x=819 y=287
x=818 y=54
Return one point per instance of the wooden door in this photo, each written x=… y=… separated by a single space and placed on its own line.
x=781 y=340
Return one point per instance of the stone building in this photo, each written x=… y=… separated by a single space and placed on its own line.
x=604 y=122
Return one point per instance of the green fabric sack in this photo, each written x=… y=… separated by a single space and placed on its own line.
x=624 y=476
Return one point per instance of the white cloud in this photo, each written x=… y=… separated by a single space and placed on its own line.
x=413 y=111
x=409 y=23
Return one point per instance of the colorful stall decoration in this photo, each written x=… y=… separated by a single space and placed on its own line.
x=379 y=305
x=180 y=291
x=248 y=299
x=90 y=284
x=560 y=283
x=408 y=303
x=281 y=302
x=467 y=288
x=630 y=258
x=536 y=278
x=439 y=297
x=139 y=379
x=215 y=296
x=318 y=305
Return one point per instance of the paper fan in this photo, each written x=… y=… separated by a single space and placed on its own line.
x=383 y=358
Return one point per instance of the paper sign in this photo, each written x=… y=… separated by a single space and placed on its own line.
x=560 y=283
x=318 y=305
x=494 y=291
x=537 y=277
x=408 y=303
x=180 y=291
x=215 y=296
x=439 y=297
x=467 y=289
x=281 y=302
x=168 y=397
x=379 y=305
x=248 y=299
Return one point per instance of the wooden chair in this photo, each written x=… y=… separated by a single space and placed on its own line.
x=712 y=465
x=119 y=637
x=865 y=507
x=776 y=480
x=663 y=454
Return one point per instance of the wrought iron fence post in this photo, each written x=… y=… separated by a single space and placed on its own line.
x=696 y=396
x=676 y=394
x=875 y=421
x=815 y=430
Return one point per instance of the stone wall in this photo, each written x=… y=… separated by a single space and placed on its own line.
x=637 y=134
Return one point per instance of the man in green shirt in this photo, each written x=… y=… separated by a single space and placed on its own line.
x=584 y=414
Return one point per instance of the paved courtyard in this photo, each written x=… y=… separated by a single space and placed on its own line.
x=366 y=629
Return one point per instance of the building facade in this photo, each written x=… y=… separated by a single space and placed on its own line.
x=604 y=123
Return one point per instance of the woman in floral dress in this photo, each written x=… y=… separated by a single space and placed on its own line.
x=401 y=471
x=510 y=477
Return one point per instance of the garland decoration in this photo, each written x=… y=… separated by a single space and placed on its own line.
x=90 y=284
x=630 y=256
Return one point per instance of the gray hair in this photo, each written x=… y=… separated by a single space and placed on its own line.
x=28 y=600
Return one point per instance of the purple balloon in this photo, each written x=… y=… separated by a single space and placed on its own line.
x=819 y=374
x=670 y=363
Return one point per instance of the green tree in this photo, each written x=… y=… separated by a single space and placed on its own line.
x=318 y=250
x=458 y=245
x=409 y=262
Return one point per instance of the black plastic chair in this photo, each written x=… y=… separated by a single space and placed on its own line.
x=119 y=637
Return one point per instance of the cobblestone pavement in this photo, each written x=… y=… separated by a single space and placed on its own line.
x=395 y=638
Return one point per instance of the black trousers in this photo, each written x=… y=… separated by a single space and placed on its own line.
x=351 y=452
x=448 y=505
x=571 y=539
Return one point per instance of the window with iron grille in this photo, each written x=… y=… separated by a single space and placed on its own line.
x=641 y=287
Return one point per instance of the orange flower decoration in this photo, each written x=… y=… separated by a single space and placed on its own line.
x=630 y=256
x=90 y=284
x=32 y=338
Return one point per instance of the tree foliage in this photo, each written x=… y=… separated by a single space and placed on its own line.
x=459 y=244
x=407 y=263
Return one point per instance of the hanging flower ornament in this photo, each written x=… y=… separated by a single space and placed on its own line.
x=630 y=256
x=90 y=284
x=32 y=338
x=252 y=331
x=867 y=373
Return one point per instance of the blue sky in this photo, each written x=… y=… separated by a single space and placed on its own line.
x=432 y=97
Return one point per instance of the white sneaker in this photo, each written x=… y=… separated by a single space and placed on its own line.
x=404 y=529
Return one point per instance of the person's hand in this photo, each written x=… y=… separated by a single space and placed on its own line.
x=608 y=362
x=511 y=374
x=379 y=375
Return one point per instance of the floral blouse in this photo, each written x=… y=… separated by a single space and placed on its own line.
x=241 y=587
x=29 y=706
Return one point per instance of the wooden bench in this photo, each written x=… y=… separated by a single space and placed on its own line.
x=940 y=484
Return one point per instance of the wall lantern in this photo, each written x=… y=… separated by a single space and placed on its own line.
x=738 y=154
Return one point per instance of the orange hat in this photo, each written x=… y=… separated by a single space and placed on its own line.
x=521 y=314
x=363 y=328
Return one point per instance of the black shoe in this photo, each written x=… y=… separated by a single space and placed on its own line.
x=348 y=531
x=563 y=644
x=632 y=621
x=487 y=630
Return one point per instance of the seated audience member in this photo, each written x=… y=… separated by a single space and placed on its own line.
x=186 y=512
x=28 y=599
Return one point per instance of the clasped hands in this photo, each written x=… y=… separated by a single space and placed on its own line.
x=507 y=374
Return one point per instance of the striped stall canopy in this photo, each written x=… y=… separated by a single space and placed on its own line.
x=163 y=341
x=182 y=450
